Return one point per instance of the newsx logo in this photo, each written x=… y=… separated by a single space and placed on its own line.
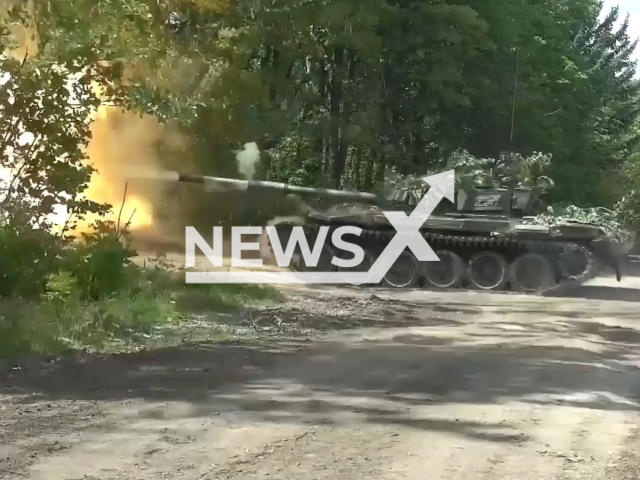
x=283 y=256
x=407 y=236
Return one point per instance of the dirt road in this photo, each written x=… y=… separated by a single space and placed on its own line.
x=351 y=385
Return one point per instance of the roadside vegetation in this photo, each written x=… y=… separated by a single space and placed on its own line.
x=62 y=294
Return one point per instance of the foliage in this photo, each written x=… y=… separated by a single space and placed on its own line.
x=629 y=186
x=47 y=299
x=27 y=256
x=100 y=262
x=333 y=95
x=513 y=170
x=337 y=98
x=295 y=162
x=628 y=209
x=605 y=104
x=43 y=132
x=614 y=222
x=93 y=295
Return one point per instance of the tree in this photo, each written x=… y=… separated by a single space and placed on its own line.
x=609 y=105
x=334 y=96
x=44 y=106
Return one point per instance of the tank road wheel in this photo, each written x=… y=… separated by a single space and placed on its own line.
x=404 y=273
x=447 y=273
x=531 y=273
x=578 y=264
x=574 y=261
x=488 y=271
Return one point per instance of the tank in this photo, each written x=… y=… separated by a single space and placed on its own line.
x=488 y=240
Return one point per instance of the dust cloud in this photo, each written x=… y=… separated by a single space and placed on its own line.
x=123 y=144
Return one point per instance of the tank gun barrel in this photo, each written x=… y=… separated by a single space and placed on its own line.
x=220 y=183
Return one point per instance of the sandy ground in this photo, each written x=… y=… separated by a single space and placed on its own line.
x=360 y=384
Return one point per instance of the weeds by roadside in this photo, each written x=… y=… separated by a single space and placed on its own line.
x=85 y=294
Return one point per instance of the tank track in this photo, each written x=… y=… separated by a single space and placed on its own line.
x=508 y=246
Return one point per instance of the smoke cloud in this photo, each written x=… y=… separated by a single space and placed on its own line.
x=124 y=149
x=248 y=160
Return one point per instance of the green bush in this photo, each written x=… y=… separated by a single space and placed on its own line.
x=23 y=329
x=27 y=256
x=62 y=293
x=135 y=309
x=99 y=262
x=87 y=293
x=62 y=320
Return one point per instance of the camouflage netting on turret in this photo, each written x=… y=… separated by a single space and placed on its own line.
x=609 y=220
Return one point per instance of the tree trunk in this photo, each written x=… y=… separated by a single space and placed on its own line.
x=368 y=173
x=382 y=167
x=338 y=145
x=356 y=167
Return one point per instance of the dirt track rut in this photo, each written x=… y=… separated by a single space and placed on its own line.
x=412 y=385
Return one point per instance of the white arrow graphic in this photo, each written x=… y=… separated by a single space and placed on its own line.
x=408 y=228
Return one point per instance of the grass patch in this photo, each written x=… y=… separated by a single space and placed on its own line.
x=203 y=298
x=63 y=294
x=152 y=308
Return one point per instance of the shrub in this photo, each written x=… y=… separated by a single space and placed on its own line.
x=87 y=293
x=99 y=261
x=27 y=256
